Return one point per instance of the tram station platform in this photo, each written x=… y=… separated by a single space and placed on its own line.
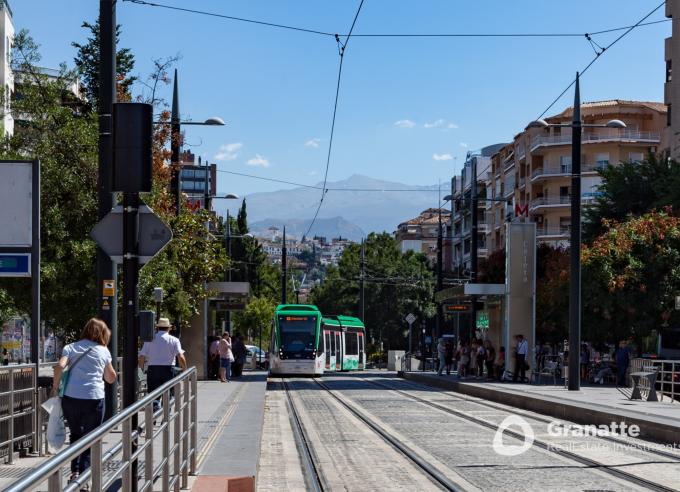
x=230 y=419
x=592 y=405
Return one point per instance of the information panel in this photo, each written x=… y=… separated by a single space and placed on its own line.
x=16 y=204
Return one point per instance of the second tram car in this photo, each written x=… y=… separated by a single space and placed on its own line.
x=295 y=345
x=343 y=344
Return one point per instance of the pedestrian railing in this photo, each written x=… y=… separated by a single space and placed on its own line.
x=668 y=378
x=20 y=396
x=131 y=448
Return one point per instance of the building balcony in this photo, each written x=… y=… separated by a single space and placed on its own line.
x=559 y=170
x=560 y=202
x=554 y=232
x=483 y=228
x=587 y=138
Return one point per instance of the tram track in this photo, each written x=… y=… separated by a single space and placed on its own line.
x=550 y=447
x=438 y=479
x=312 y=476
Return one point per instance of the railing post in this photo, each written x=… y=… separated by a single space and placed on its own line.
x=127 y=454
x=194 y=421
x=10 y=450
x=176 y=441
x=96 y=460
x=148 y=436
x=54 y=482
x=185 y=435
x=165 y=472
x=35 y=421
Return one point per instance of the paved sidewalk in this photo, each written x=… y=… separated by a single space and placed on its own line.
x=597 y=405
x=226 y=412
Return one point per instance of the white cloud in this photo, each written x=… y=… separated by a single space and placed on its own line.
x=442 y=157
x=258 y=161
x=228 y=152
x=405 y=124
x=435 y=124
x=314 y=143
x=452 y=126
x=464 y=145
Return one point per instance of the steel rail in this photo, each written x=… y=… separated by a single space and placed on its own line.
x=313 y=477
x=432 y=473
x=542 y=444
x=516 y=411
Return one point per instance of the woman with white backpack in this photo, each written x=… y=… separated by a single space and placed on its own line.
x=79 y=380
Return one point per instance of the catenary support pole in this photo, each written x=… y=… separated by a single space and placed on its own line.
x=107 y=305
x=284 y=270
x=130 y=306
x=575 y=247
x=175 y=137
x=440 y=278
x=35 y=293
x=474 y=201
x=362 y=286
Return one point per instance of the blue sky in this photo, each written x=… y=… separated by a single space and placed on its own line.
x=409 y=108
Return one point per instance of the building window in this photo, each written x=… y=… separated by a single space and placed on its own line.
x=668 y=116
x=602 y=160
x=669 y=70
x=636 y=157
x=565 y=163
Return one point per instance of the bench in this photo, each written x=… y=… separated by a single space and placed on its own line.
x=638 y=377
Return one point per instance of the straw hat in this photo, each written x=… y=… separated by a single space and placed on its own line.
x=163 y=323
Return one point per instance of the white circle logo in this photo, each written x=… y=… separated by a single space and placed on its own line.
x=511 y=449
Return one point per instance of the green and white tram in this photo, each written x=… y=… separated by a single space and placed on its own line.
x=295 y=341
x=343 y=344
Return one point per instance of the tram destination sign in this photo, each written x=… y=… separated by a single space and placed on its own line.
x=15 y=264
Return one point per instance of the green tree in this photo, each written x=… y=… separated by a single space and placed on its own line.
x=65 y=141
x=87 y=64
x=255 y=318
x=631 y=277
x=552 y=293
x=396 y=284
x=631 y=190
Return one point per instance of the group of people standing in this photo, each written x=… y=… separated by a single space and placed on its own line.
x=480 y=357
x=227 y=357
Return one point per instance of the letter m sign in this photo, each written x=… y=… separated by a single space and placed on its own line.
x=521 y=210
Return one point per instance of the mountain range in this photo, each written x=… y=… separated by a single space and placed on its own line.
x=346 y=209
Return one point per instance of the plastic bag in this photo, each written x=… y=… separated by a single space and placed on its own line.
x=56 y=430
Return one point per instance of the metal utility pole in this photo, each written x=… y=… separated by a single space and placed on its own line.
x=284 y=270
x=440 y=277
x=575 y=246
x=362 y=275
x=227 y=272
x=107 y=271
x=473 y=244
x=206 y=196
x=175 y=137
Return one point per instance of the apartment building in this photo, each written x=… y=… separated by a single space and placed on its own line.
x=672 y=87
x=420 y=234
x=6 y=76
x=194 y=178
x=530 y=177
x=477 y=163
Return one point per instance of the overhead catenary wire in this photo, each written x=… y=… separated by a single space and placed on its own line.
x=341 y=52
x=599 y=53
x=319 y=32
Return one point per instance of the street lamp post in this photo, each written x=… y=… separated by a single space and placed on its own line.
x=575 y=239
x=175 y=137
x=440 y=273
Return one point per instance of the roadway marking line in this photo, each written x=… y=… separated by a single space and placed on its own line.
x=224 y=421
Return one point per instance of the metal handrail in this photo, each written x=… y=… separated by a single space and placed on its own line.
x=182 y=454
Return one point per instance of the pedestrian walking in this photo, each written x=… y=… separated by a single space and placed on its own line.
x=472 y=359
x=159 y=355
x=520 y=359
x=226 y=357
x=214 y=356
x=240 y=352
x=441 y=353
x=622 y=361
x=464 y=360
x=489 y=358
x=88 y=364
x=481 y=358
x=500 y=363
x=448 y=356
x=584 y=359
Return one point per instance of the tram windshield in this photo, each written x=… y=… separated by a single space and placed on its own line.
x=298 y=335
